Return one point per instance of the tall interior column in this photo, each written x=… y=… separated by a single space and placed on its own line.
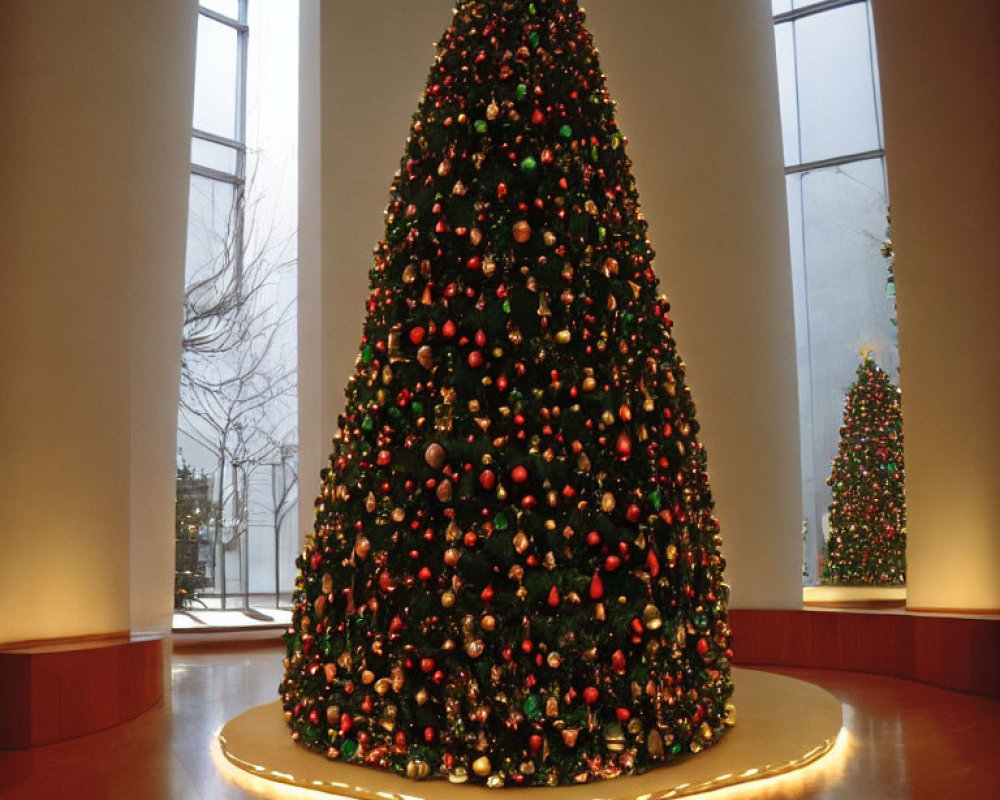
x=940 y=73
x=93 y=207
x=697 y=91
x=696 y=85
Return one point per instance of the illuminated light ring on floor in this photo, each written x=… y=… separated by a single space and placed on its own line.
x=788 y=736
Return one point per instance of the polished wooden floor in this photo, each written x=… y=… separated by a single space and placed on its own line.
x=909 y=740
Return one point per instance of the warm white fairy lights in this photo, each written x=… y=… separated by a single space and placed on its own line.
x=821 y=766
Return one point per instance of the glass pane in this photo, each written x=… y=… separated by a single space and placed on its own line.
x=843 y=277
x=209 y=211
x=875 y=74
x=788 y=97
x=231 y=8
x=215 y=78
x=213 y=156
x=780 y=6
x=805 y=3
x=793 y=187
x=835 y=83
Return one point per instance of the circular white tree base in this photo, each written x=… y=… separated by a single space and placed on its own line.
x=784 y=725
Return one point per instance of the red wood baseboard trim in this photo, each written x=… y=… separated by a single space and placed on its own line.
x=951 y=652
x=956 y=612
x=63 y=689
x=66 y=643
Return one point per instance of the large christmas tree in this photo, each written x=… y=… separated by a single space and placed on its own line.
x=515 y=574
x=867 y=543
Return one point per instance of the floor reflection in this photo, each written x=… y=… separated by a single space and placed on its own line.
x=907 y=741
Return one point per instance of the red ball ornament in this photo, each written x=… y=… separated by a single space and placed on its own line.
x=653 y=564
x=488 y=479
x=475 y=359
x=448 y=329
x=590 y=695
x=612 y=562
x=623 y=446
x=386 y=582
x=618 y=662
x=417 y=334
x=593 y=538
x=633 y=513
x=519 y=474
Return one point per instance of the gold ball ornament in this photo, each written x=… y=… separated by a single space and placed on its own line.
x=417 y=769
x=475 y=648
x=652 y=620
x=522 y=231
x=434 y=455
x=482 y=767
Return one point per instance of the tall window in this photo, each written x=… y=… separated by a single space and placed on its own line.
x=237 y=427
x=831 y=119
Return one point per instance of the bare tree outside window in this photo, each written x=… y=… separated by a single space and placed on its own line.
x=237 y=378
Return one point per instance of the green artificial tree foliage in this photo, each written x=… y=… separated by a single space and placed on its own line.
x=515 y=575
x=867 y=543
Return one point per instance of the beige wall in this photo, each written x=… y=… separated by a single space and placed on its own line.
x=354 y=120
x=312 y=426
x=93 y=153
x=940 y=72
x=697 y=94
